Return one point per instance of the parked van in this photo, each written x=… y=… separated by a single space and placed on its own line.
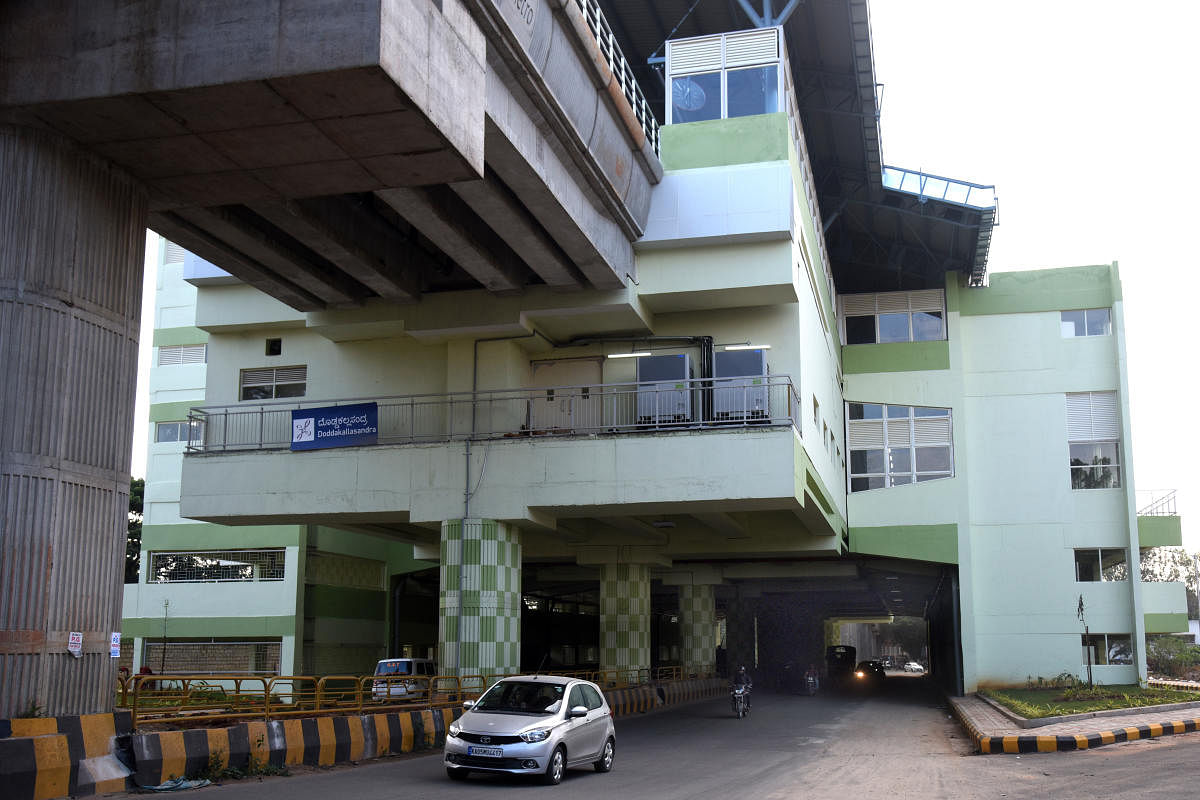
x=403 y=678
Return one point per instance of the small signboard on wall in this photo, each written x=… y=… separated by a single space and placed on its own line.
x=114 y=645
x=335 y=426
x=75 y=643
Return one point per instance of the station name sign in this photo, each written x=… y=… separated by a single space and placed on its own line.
x=335 y=426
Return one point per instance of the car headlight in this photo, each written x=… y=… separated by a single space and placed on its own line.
x=538 y=735
x=454 y=730
x=860 y=674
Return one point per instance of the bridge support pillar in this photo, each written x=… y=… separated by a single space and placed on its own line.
x=740 y=633
x=697 y=628
x=624 y=617
x=479 y=614
x=72 y=242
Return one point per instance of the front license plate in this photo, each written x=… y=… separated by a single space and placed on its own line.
x=494 y=752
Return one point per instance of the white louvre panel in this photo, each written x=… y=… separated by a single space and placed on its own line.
x=192 y=353
x=898 y=433
x=858 y=305
x=1106 y=420
x=931 y=431
x=173 y=254
x=258 y=377
x=865 y=435
x=892 y=301
x=169 y=356
x=927 y=300
x=697 y=55
x=752 y=47
x=291 y=375
x=1079 y=417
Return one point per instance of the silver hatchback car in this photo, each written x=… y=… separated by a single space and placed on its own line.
x=533 y=725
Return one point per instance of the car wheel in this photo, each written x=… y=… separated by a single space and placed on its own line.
x=556 y=767
x=457 y=774
x=606 y=756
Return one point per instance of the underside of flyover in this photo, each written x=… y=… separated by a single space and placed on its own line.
x=784 y=621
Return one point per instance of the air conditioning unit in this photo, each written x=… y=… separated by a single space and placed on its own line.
x=740 y=385
x=663 y=392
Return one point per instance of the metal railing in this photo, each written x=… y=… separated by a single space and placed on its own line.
x=622 y=73
x=515 y=413
x=1156 y=503
x=935 y=187
x=198 y=699
x=216 y=566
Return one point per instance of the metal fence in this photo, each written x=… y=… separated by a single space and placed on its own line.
x=505 y=414
x=1156 y=503
x=216 y=566
x=199 y=699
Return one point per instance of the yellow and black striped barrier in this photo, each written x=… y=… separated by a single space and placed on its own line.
x=47 y=757
x=1064 y=743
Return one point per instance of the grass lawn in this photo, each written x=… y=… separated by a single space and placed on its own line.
x=1049 y=702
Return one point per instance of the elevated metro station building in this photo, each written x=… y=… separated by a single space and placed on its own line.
x=462 y=302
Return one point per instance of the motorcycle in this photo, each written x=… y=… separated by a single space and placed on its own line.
x=739 y=696
x=810 y=684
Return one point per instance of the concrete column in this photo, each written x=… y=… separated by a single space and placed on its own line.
x=739 y=633
x=72 y=241
x=698 y=628
x=479 y=618
x=624 y=617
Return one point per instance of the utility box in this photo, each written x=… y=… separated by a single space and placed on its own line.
x=664 y=394
x=740 y=385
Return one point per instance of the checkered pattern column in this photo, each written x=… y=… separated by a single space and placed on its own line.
x=625 y=616
x=697 y=628
x=479 y=619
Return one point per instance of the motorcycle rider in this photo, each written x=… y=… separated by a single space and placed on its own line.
x=814 y=676
x=742 y=678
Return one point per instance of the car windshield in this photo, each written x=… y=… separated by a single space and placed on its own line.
x=394 y=668
x=522 y=697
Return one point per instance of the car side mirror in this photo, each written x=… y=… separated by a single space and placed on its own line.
x=577 y=711
x=468 y=705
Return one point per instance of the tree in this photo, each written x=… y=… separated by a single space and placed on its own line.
x=909 y=633
x=1172 y=564
x=133 y=531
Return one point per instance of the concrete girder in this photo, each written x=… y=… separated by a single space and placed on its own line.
x=502 y=210
x=443 y=218
x=637 y=528
x=238 y=229
x=724 y=524
x=203 y=244
x=357 y=240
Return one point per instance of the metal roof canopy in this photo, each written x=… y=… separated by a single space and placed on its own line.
x=880 y=237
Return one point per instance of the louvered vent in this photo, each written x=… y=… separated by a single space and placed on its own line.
x=752 y=47
x=182 y=354
x=927 y=300
x=1092 y=416
x=932 y=431
x=858 y=305
x=291 y=375
x=865 y=435
x=892 y=302
x=173 y=254
x=695 y=55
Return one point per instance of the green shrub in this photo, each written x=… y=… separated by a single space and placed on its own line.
x=1169 y=655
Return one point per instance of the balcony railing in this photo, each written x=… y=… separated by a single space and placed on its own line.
x=1156 y=503
x=621 y=70
x=625 y=408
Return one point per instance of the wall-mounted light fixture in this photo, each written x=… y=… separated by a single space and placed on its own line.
x=747 y=347
x=638 y=354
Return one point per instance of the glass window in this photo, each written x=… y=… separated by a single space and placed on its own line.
x=1098 y=323
x=901 y=480
x=1112 y=564
x=1108 y=649
x=167 y=431
x=927 y=326
x=900 y=459
x=866 y=411
x=1120 y=649
x=696 y=97
x=860 y=330
x=1087 y=565
x=273 y=382
x=1094 y=465
x=894 y=328
x=1072 y=323
x=866 y=461
x=1086 y=322
x=863 y=484
x=933 y=459
x=753 y=91
x=899 y=412
x=904 y=463
x=922 y=411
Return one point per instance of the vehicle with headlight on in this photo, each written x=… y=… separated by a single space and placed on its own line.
x=532 y=725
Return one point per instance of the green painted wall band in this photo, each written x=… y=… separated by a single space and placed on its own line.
x=172 y=412
x=1160 y=531
x=936 y=543
x=1043 y=290
x=207 y=536
x=1166 y=623
x=724 y=142
x=858 y=359
x=169 y=337
x=343 y=602
x=205 y=627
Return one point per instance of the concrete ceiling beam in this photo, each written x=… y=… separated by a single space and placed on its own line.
x=242 y=230
x=637 y=528
x=443 y=218
x=724 y=524
x=356 y=240
x=202 y=243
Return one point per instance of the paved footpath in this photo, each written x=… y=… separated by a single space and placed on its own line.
x=994 y=732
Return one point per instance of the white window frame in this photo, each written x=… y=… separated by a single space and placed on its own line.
x=915 y=440
x=1099 y=553
x=722 y=66
x=1085 y=311
x=923 y=301
x=178 y=354
x=273 y=377
x=1107 y=649
x=182 y=428
x=1094 y=418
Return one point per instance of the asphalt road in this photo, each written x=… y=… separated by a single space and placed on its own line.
x=899 y=743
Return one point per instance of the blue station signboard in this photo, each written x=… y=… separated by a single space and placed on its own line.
x=335 y=426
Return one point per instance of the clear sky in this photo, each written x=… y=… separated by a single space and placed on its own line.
x=1083 y=115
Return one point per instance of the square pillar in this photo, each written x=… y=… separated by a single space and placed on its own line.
x=479 y=614
x=625 y=617
x=698 y=628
